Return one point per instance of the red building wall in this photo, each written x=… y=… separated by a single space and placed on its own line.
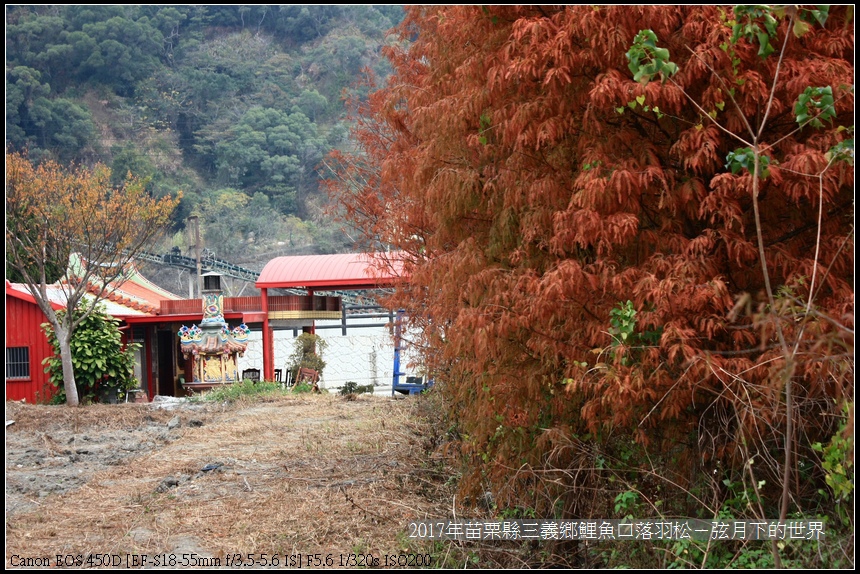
x=23 y=320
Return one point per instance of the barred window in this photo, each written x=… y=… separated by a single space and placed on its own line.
x=17 y=362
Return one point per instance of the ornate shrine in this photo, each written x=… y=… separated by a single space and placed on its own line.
x=212 y=346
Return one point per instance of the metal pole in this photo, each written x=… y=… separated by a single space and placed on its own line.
x=397 y=346
x=194 y=222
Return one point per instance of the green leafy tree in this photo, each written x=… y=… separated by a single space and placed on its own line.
x=271 y=151
x=312 y=104
x=62 y=126
x=23 y=86
x=127 y=49
x=197 y=97
x=103 y=366
x=128 y=159
x=232 y=220
x=58 y=127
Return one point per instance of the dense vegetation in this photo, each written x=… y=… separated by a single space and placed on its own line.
x=234 y=105
x=630 y=238
x=104 y=369
x=629 y=229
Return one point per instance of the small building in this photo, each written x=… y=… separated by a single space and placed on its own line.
x=154 y=318
x=26 y=347
x=336 y=272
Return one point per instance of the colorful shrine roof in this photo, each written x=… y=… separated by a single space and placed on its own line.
x=217 y=341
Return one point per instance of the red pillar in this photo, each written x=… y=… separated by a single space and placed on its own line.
x=313 y=330
x=268 y=339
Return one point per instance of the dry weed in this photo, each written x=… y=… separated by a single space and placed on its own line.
x=287 y=475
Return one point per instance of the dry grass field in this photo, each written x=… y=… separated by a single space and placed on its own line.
x=249 y=482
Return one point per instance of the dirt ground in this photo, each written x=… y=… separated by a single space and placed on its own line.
x=248 y=483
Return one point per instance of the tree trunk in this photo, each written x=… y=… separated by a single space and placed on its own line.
x=65 y=340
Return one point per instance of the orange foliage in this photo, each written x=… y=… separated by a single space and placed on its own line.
x=52 y=212
x=51 y=209
x=512 y=156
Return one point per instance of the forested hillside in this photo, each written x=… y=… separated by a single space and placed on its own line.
x=235 y=106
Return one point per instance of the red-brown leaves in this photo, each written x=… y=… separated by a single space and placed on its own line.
x=699 y=148
x=537 y=186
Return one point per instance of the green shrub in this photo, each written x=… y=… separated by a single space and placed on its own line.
x=353 y=388
x=102 y=366
x=307 y=353
x=349 y=388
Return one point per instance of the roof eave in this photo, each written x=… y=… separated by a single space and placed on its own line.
x=337 y=285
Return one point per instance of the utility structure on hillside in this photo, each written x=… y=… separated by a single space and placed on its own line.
x=208 y=263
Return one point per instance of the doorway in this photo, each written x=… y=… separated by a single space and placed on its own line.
x=166 y=374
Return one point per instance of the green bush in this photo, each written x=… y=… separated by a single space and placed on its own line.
x=303 y=388
x=102 y=366
x=353 y=388
x=246 y=388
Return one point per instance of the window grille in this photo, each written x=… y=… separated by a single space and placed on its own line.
x=17 y=362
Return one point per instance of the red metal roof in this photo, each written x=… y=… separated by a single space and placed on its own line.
x=332 y=272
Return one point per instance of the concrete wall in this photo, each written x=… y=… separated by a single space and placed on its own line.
x=364 y=355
